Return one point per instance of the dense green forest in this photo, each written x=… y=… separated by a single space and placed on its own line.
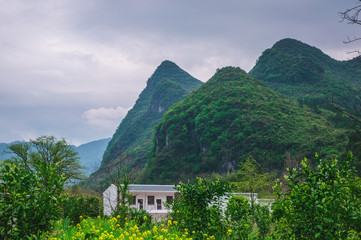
x=284 y=114
x=132 y=140
x=306 y=74
x=231 y=117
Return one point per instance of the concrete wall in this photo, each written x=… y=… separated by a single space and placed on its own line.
x=110 y=200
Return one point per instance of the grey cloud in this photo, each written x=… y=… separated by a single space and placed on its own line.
x=61 y=58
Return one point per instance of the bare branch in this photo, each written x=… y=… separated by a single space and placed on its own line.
x=349 y=40
x=332 y=104
x=351 y=15
x=355 y=51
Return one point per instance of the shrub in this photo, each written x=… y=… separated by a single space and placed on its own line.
x=321 y=203
x=198 y=208
x=75 y=206
x=238 y=215
x=27 y=205
x=262 y=218
x=124 y=213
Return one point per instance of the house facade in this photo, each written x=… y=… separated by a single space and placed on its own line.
x=152 y=198
x=148 y=197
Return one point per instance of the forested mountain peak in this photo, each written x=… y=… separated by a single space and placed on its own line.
x=310 y=76
x=169 y=70
x=297 y=48
x=227 y=119
x=132 y=140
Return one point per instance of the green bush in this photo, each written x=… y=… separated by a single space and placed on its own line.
x=198 y=208
x=27 y=205
x=125 y=213
x=320 y=203
x=262 y=218
x=75 y=206
x=238 y=215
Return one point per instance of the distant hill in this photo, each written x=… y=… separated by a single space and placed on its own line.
x=308 y=75
x=90 y=154
x=132 y=140
x=229 y=118
x=3 y=153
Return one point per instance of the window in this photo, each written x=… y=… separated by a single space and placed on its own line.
x=150 y=200
x=140 y=203
x=159 y=204
x=170 y=199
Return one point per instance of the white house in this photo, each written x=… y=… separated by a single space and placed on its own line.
x=152 y=198
x=148 y=197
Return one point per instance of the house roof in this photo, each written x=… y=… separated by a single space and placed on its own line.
x=151 y=188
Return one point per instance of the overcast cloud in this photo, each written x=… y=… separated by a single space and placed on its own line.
x=73 y=68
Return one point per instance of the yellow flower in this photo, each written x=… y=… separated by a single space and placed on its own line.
x=118 y=216
x=145 y=218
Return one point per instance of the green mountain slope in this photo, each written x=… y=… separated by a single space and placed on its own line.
x=229 y=118
x=307 y=74
x=168 y=85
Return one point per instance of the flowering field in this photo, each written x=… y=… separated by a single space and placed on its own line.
x=98 y=228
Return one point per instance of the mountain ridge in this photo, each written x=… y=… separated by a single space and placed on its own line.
x=306 y=74
x=227 y=119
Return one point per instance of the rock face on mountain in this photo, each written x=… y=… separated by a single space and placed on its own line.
x=308 y=75
x=168 y=85
x=231 y=117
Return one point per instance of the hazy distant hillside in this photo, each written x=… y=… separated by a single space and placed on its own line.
x=132 y=140
x=3 y=147
x=307 y=74
x=229 y=118
x=91 y=154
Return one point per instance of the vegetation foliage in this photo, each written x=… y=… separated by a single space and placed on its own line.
x=229 y=118
x=168 y=85
x=323 y=202
x=306 y=74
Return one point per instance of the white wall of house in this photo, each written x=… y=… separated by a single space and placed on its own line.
x=109 y=199
x=156 y=208
x=143 y=200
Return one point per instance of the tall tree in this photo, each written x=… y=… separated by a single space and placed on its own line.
x=50 y=151
x=31 y=184
x=252 y=178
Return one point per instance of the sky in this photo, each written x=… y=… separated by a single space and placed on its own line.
x=73 y=68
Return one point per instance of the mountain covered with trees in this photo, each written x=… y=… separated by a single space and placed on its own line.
x=132 y=140
x=305 y=73
x=231 y=117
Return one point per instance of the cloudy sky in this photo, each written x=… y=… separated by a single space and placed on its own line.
x=73 y=68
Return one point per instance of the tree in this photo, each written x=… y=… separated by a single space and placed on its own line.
x=121 y=176
x=252 y=178
x=27 y=203
x=320 y=203
x=50 y=151
x=198 y=208
x=31 y=184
